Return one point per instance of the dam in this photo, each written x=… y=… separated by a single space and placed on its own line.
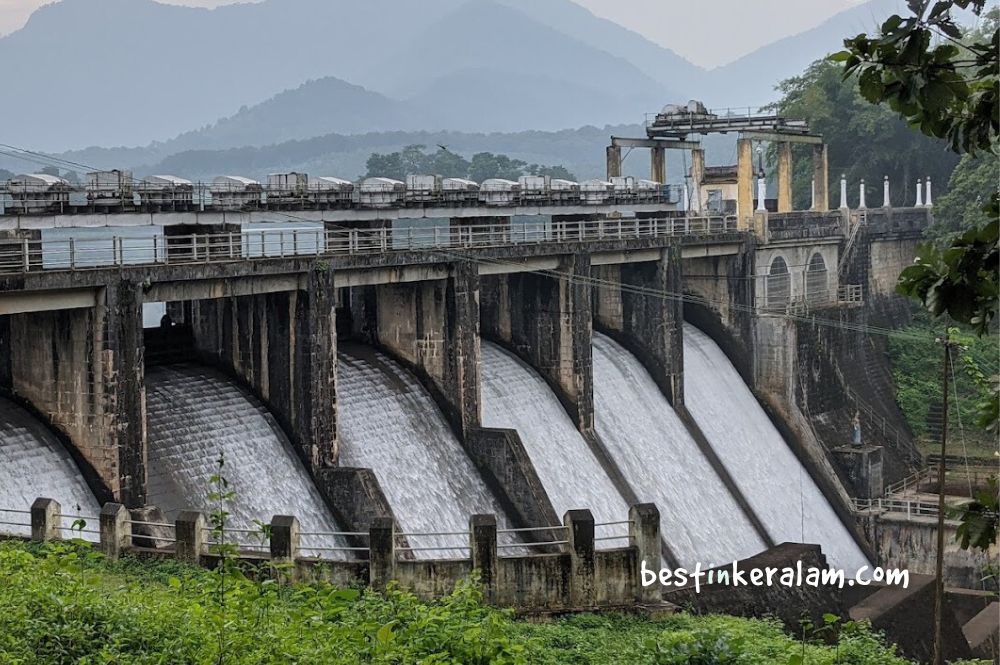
x=428 y=378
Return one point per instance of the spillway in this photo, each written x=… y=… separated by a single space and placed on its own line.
x=389 y=423
x=699 y=519
x=194 y=414
x=516 y=397
x=33 y=464
x=778 y=488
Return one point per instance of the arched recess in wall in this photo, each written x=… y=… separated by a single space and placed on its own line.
x=779 y=285
x=817 y=279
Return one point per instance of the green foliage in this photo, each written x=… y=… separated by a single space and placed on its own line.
x=960 y=280
x=920 y=67
x=963 y=207
x=916 y=365
x=63 y=603
x=978 y=529
x=865 y=142
x=414 y=159
x=948 y=89
x=687 y=639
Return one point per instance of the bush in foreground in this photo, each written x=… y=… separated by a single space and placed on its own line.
x=63 y=603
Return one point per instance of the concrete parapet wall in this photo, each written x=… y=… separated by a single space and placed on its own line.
x=578 y=577
x=802 y=225
x=910 y=542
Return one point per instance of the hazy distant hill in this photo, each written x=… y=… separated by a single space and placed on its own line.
x=487 y=66
x=751 y=79
x=657 y=62
x=580 y=150
x=484 y=34
x=126 y=72
x=315 y=108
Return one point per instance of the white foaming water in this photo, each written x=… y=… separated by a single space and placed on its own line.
x=194 y=414
x=778 y=488
x=389 y=423
x=33 y=464
x=516 y=397
x=700 y=520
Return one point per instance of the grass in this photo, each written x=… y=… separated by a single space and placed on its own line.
x=64 y=603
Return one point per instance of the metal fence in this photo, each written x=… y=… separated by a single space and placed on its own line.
x=19 y=256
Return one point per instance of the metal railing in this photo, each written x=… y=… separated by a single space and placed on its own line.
x=911 y=481
x=845 y=257
x=850 y=294
x=26 y=255
x=908 y=507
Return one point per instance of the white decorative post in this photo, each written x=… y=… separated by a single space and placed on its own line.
x=886 y=203
x=813 y=194
x=761 y=193
x=920 y=193
x=843 y=192
x=861 y=196
x=927 y=196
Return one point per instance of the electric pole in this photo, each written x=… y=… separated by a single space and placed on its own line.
x=939 y=563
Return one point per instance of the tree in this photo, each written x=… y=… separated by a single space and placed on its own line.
x=865 y=142
x=50 y=170
x=449 y=164
x=386 y=166
x=560 y=172
x=963 y=208
x=922 y=69
x=948 y=91
x=413 y=159
x=486 y=165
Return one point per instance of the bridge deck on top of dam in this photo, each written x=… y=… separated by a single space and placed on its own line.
x=357 y=256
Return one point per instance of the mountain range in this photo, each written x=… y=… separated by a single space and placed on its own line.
x=173 y=79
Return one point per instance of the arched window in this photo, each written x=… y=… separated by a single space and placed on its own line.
x=817 y=283
x=778 y=284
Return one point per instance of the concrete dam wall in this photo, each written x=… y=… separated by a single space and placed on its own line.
x=390 y=423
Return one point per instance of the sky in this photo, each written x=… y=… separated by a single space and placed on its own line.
x=691 y=28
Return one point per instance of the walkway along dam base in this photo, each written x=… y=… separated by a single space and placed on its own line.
x=547 y=393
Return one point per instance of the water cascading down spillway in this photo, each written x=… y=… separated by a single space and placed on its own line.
x=33 y=464
x=778 y=488
x=699 y=519
x=390 y=424
x=194 y=415
x=516 y=397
